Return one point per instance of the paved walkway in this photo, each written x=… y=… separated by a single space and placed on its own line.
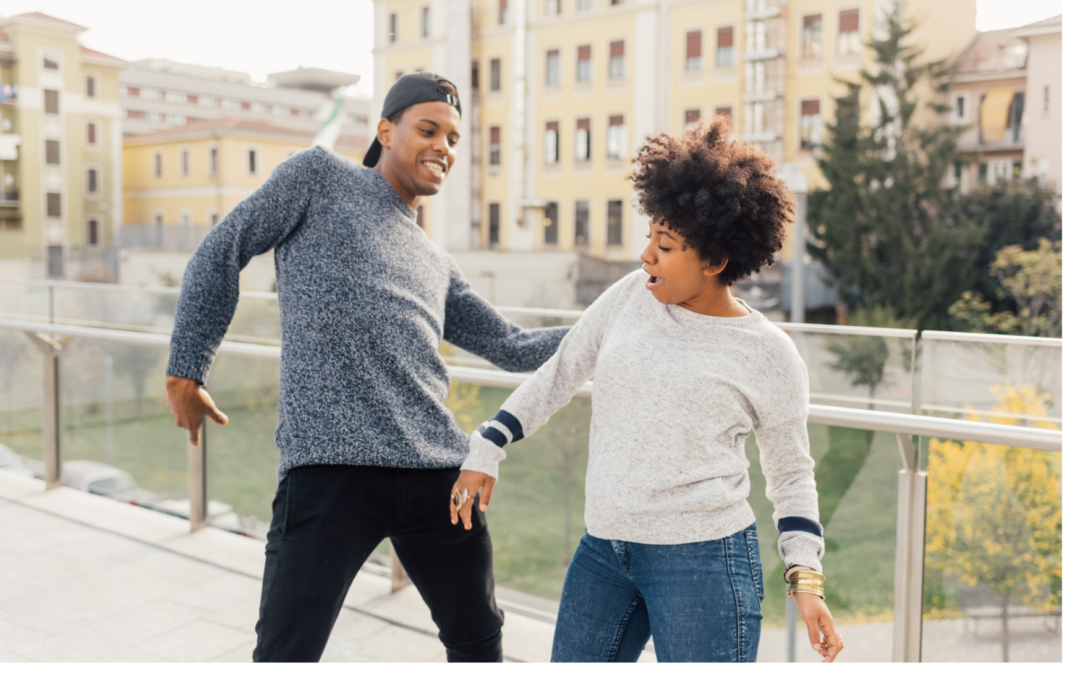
x=85 y=578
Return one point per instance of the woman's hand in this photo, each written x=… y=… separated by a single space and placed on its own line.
x=818 y=619
x=471 y=481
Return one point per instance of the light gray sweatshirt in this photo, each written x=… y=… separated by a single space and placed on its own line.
x=675 y=394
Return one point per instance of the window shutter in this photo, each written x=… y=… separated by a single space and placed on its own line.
x=849 y=20
x=584 y=53
x=617 y=48
x=725 y=37
x=494 y=135
x=615 y=120
x=811 y=107
x=693 y=44
x=583 y=124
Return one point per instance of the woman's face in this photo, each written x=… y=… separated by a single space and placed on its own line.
x=676 y=274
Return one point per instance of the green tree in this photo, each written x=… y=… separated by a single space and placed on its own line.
x=1007 y=213
x=1032 y=280
x=884 y=227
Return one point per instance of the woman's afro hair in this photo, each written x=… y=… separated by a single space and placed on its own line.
x=719 y=194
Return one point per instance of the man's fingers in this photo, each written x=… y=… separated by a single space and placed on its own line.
x=453 y=510
x=218 y=416
x=485 y=497
x=466 y=512
x=193 y=434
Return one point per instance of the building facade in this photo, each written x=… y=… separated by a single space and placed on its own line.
x=60 y=151
x=558 y=93
x=1007 y=96
x=179 y=182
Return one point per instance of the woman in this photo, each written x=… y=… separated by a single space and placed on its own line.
x=682 y=373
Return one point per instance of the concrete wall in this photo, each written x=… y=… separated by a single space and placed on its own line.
x=1043 y=147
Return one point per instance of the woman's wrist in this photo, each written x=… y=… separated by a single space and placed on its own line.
x=801 y=579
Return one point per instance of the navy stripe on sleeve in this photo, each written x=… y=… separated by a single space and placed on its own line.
x=510 y=422
x=799 y=524
x=494 y=435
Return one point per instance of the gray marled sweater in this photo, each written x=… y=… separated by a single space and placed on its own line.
x=365 y=299
x=675 y=394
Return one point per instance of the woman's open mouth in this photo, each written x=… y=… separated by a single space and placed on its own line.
x=653 y=282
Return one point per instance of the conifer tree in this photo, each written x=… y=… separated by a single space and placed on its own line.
x=884 y=228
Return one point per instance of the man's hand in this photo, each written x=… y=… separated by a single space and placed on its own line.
x=824 y=638
x=189 y=403
x=471 y=481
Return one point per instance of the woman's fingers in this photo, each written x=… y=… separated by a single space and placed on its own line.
x=832 y=641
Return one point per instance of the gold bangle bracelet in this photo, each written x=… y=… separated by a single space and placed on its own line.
x=813 y=590
x=806 y=575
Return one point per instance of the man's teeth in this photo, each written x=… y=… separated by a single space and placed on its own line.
x=437 y=168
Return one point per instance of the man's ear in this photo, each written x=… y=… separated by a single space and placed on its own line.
x=384 y=132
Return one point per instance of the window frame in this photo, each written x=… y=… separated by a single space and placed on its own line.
x=804 y=44
x=583 y=67
x=495 y=75
x=248 y=169
x=552 y=75
x=92 y=80
x=494 y=145
x=856 y=47
x=45 y=102
x=97 y=241
x=494 y=216
x=157 y=164
x=615 y=228
x=183 y=157
x=693 y=64
x=731 y=48
x=95 y=142
x=816 y=125
x=50 y=144
x=96 y=168
x=551 y=224
x=581 y=228
x=620 y=59
x=551 y=143
x=583 y=124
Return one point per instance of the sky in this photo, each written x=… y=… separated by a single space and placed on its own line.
x=267 y=36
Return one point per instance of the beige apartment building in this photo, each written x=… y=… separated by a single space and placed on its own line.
x=60 y=147
x=1007 y=93
x=558 y=93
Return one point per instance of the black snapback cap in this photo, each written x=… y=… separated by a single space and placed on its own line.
x=409 y=90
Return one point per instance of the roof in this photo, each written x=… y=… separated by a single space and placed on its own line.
x=226 y=126
x=1052 y=21
x=101 y=57
x=993 y=51
x=39 y=17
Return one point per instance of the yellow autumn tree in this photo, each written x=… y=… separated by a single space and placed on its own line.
x=463 y=399
x=994 y=511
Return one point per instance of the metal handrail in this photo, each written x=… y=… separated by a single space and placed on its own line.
x=869 y=420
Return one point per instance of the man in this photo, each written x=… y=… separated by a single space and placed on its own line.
x=368 y=449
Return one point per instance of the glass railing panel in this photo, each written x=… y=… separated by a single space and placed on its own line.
x=865 y=371
x=119 y=439
x=21 y=399
x=24 y=301
x=965 y=377
x=242 y=456
x=993 y=566
x=856 y=473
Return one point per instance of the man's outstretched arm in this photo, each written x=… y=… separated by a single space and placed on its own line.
x=211 y=286
x=473 y=324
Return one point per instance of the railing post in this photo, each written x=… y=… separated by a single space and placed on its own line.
x=197 y=492
x=910 y=551
x=791 y=619
x=399 y=578
x=52 y=431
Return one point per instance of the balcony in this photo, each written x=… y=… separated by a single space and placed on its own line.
x=895 y=507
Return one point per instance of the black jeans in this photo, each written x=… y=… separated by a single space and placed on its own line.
x=327 y=521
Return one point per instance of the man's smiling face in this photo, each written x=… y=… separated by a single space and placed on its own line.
x=419 y=151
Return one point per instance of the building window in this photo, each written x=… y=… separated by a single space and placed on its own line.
x=92 y=187
x=724 y=111
x=582 y=141
x=1046 y=100
x=584 y=63
x=847 y=38
x=551 y=143
x=811 y=126
x=212 y=162
x=56 y=262
x=93 y=231
x=493 y=224
x=52 y=204
x=493 y=147
x=616 y=137
x=691 y=118
x=960 y=108
x=157 y=165
x=813 y=37
x=504 y=11
x=551 y=223
x=693 y=50
x=212 y=217
x=496 y=75
x=725 y=47
x=251 y=161
x=617 y=61
x=91 y=86
x=581 y=222
x=393 y=28
x=584 y=5
x=52 y=102
x=551 y=74
x=614 y=222
x=91 y=134
x=425 y=22
x=552 y=7
x=159 y=220
x=52 y=152
x=50 y=62
x=185 y=162
x=182 y=98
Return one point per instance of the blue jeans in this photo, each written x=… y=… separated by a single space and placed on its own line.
x=701 y=601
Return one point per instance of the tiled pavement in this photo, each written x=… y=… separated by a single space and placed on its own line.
x=84 y=579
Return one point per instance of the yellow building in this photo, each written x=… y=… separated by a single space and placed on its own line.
x=179 y=182
x=60 y=146
x=558 y=93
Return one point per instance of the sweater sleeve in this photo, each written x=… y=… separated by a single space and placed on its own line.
x=211 y=285
x=475 y=326
x=784 y=446
x=549 y=389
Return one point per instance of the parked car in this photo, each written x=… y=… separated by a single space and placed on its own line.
x=14 y=462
